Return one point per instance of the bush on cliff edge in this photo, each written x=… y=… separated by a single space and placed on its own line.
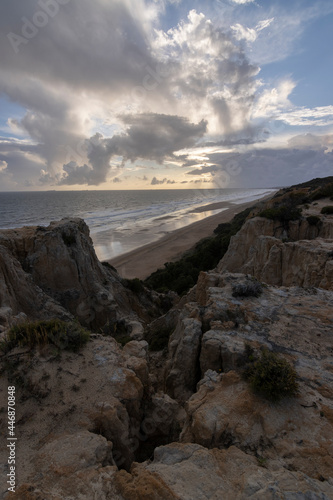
x=271 y=376
x=64 y=335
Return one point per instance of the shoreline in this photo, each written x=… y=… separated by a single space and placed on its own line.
x=143 y=261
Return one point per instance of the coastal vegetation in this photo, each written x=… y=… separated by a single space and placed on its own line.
x=313 y=220
x=252 y=288
x=182 y=275
x=283 y=213
x=328 y=210
x=64 y=335
x=270 y=375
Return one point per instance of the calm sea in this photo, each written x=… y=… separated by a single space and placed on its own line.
x=119 y=221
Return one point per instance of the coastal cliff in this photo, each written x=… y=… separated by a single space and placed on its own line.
x=53 y=271
x=172 y=411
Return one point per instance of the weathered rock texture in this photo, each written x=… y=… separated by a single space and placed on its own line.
x=82 y=416
x=190 y=471
x=295 y=434
x=122 y=423
x=305 y=259
x=54 y=272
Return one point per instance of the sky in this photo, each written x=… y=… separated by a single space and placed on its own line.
x=165 y=94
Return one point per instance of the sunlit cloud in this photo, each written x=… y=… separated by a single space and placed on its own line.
x=167 y=99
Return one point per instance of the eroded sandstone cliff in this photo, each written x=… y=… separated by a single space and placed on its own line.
x=298 y=253
x=124 y=423
x=53 y=271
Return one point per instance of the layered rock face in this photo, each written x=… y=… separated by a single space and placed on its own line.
x=122 y=423
x=54 y=272
x=305 y=259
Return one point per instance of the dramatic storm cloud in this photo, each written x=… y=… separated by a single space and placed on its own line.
x=132 y=94
x=149 y=136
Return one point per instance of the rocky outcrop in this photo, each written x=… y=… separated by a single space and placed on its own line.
x=125 y=423
x=20 y=297
x=260 y=249
x=54 y=272
x=84 y=415
x=223 y=411
x=190 y=471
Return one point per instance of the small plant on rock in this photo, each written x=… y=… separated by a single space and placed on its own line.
x=328 y=210
x=313 y=220
x=251 y=288
x=272 y=376
x=64 y=335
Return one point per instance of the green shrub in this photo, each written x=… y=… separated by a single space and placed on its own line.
x=327 y=210
x=109 y=266
x=135 y=285
x=160 y=341
x=283 y=213
x=248 y=289
x=272 y=376
x=323 y=192
x=64 y=335
x=313 y=220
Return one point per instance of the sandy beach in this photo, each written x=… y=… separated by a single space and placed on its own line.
x=141 y=262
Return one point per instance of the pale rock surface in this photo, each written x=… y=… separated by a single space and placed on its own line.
x=184 y=347
x=87 y=401
x=20 y=296
x=296 y=323
x=192 y=472
x=306 y=259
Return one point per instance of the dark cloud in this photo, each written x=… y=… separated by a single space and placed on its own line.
x=106 y=40
x=270 y=168
x=157 y=136
x=211 y=169
x=148 y=136
x=156 y=182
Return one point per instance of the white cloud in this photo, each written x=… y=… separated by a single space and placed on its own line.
x=212 y=78
x=242 y=33
x=3 y=165
x=319 y=116
x=264 y=24
x=311 y=141
x=195 y=72
x=250 y=34
x=118 y=89
x=242 y=2
x=271 y=102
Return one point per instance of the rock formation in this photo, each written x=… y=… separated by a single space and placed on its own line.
x=124 y=423
x=54 y=272
x=299 y=255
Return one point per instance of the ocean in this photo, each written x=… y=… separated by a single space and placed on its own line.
x=119 y=221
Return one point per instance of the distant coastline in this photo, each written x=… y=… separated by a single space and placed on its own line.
x=121 y=221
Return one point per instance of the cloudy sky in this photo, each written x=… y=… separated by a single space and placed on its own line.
x=160 y=94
